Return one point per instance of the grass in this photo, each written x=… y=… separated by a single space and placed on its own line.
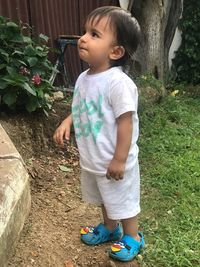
x=170 y=173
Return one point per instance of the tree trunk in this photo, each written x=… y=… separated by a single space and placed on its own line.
x=158 y=20
x=173 y=13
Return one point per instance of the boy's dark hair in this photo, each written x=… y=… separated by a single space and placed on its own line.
x=126 y=28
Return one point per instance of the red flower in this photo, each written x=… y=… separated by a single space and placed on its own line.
x=36 y=79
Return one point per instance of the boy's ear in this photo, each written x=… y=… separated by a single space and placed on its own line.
x=117 y=52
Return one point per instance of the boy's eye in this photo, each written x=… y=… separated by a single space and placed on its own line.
x=94 y=34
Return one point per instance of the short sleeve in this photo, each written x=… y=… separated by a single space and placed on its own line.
x=123 y=96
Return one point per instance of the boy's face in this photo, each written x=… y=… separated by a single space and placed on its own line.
x=96 y=46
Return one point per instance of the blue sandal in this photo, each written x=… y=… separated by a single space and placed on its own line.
x=127 y=248
x=100 y=234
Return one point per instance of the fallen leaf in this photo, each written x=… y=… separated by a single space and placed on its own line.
x=64 y=168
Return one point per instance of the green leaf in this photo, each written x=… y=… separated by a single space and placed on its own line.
x=2 y=66
x=16 y=38
x=49 y=105
x=32 y=105
x=32 y=61
x=12 y=24
x=44 y=37
x=27 y=87
x=40 y=92
x=10 y=98
x=3 y=53
x=45 y=112
x=18 y=52
x=29 y=51
x=11 y=70
x=22 y=62
x=15 y=79
x=2 y=20
x=64 y=168
x=27 y=39
x=3 y=84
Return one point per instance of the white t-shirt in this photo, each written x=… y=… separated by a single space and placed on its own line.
x=98 y=100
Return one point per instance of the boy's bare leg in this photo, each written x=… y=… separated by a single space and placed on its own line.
x=110 y=224
x=130 y=227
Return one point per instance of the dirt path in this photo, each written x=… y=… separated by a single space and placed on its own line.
x=50 y=237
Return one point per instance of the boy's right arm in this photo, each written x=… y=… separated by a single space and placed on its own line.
x=63 y=131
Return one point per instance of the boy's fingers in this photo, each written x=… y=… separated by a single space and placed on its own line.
x=117 y=176
x=67 y=136
x=58 y=138
x=108 y=176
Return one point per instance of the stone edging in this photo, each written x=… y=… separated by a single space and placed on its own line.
x=15 y=199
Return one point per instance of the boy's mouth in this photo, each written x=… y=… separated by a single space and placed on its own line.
x=82 y=48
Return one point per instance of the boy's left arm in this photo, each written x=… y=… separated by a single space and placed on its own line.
x=124 y=136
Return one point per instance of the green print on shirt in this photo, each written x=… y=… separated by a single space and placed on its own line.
x=90 y=108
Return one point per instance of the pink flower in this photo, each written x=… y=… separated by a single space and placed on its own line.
x=24 y=71
x=36 y=79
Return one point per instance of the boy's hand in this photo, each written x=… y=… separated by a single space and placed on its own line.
x=63 y=131
x=115 y=170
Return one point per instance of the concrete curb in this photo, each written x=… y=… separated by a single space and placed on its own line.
x=15 y=199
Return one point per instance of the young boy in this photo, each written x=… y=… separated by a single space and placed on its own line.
x=104 y=115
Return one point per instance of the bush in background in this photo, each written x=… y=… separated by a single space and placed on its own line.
x=24 y=68
x=186 y=62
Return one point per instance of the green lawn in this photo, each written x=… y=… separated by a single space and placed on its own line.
x=170 y=173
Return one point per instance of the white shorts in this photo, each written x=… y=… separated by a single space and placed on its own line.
x=120 y=198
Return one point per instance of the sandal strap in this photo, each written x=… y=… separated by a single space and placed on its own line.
x=128 y=242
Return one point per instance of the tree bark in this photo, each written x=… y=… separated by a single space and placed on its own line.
x=173 y=13
x=158 y=20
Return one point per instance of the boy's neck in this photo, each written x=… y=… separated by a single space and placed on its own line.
x=93 y=70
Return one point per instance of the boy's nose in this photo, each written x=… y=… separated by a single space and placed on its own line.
x=83 y=38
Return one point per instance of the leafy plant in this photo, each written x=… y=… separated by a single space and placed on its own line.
x=186 y=62
x=24 y=68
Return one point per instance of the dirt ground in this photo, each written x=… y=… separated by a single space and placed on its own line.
x=50 y=237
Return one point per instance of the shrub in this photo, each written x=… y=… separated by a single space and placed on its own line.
x=24 y=68
x=186 y=62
